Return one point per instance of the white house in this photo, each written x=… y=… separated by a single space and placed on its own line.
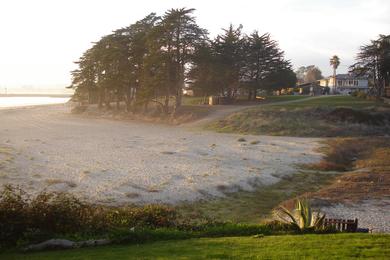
x=345 y=83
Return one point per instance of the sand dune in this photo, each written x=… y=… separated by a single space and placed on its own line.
x=117 y=162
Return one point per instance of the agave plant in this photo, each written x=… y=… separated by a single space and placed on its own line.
x=302 y=217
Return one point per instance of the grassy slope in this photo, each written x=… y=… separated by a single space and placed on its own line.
x=298 y=118
x=341 y=246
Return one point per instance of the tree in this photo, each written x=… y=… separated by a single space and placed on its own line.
x=334 y=62
x=313 y=74
x=265 y=67
x=150 y=61
x=373 y=60
x=174 y=40
x=229 y=60
x=203 y=72
x=135 y=37
x=308 y=74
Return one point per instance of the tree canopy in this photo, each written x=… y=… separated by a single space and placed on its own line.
x=153 y=59
x=308 y=74
x=373 y=60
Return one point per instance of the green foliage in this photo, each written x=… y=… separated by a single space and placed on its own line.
x=151 y=59
x=302 y=217
x=25 y=219
x=48 y=213
x=373 y=60
x=234 y=61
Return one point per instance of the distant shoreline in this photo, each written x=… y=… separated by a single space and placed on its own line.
x=36 y=95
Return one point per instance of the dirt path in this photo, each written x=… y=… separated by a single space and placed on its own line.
x=219 y=113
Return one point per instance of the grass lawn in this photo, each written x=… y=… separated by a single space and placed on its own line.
x=190 y=101
x=329 y=101
x=284 y=98
x=332 y=246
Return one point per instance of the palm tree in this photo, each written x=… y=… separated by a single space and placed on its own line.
x=334 y=62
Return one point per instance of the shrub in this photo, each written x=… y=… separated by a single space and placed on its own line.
x=302 y=217
x=361 y=94
x=13 y=214
x=50 y=213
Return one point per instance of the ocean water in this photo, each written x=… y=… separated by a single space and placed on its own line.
x=7 y=102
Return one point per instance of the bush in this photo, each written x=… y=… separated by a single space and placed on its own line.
x=359 y=94
x=50 y=213
x=26 y=219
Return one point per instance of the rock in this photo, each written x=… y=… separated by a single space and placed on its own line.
x=65 y=244
x=51 y=244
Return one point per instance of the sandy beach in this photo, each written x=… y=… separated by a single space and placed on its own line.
x=119 y=162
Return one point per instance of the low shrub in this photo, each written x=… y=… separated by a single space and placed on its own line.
x=142 y=235
x=23 y=217
x=359 y=94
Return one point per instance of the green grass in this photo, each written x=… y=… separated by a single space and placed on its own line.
x=284 y=98
x=256 y=206
x=333 y=101
x=191 y=101
x=332 y=246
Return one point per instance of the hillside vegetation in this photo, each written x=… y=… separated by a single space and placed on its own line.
x=311 y=117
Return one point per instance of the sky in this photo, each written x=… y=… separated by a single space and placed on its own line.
x=40 y=39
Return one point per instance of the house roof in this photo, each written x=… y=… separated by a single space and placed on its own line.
x=349 y=76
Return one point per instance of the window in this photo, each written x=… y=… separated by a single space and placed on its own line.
x=339 y=83
x=356 y=83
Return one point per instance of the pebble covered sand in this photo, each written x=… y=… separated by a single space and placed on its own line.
x=117 y=162
x=371 y=214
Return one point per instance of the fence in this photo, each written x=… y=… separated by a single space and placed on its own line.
x=348 y=225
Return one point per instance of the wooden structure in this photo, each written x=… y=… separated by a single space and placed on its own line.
x=217 y=100
x=347 y=225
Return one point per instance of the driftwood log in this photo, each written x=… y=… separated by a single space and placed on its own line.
x=65 y=244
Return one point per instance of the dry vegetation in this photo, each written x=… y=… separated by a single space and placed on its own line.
x=308 y=121
x=367 y=166
x=184 y=114
x=340 y=116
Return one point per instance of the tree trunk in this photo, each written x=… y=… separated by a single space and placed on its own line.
x=146 y=107
x=166 y=102
x=118 y=100
x=107 y=99
x=249 y=95
x=101 y=98
x=254 y=96
x=179 y=96
x=127 y=99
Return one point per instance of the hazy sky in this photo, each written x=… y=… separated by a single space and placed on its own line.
x=40 y=39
